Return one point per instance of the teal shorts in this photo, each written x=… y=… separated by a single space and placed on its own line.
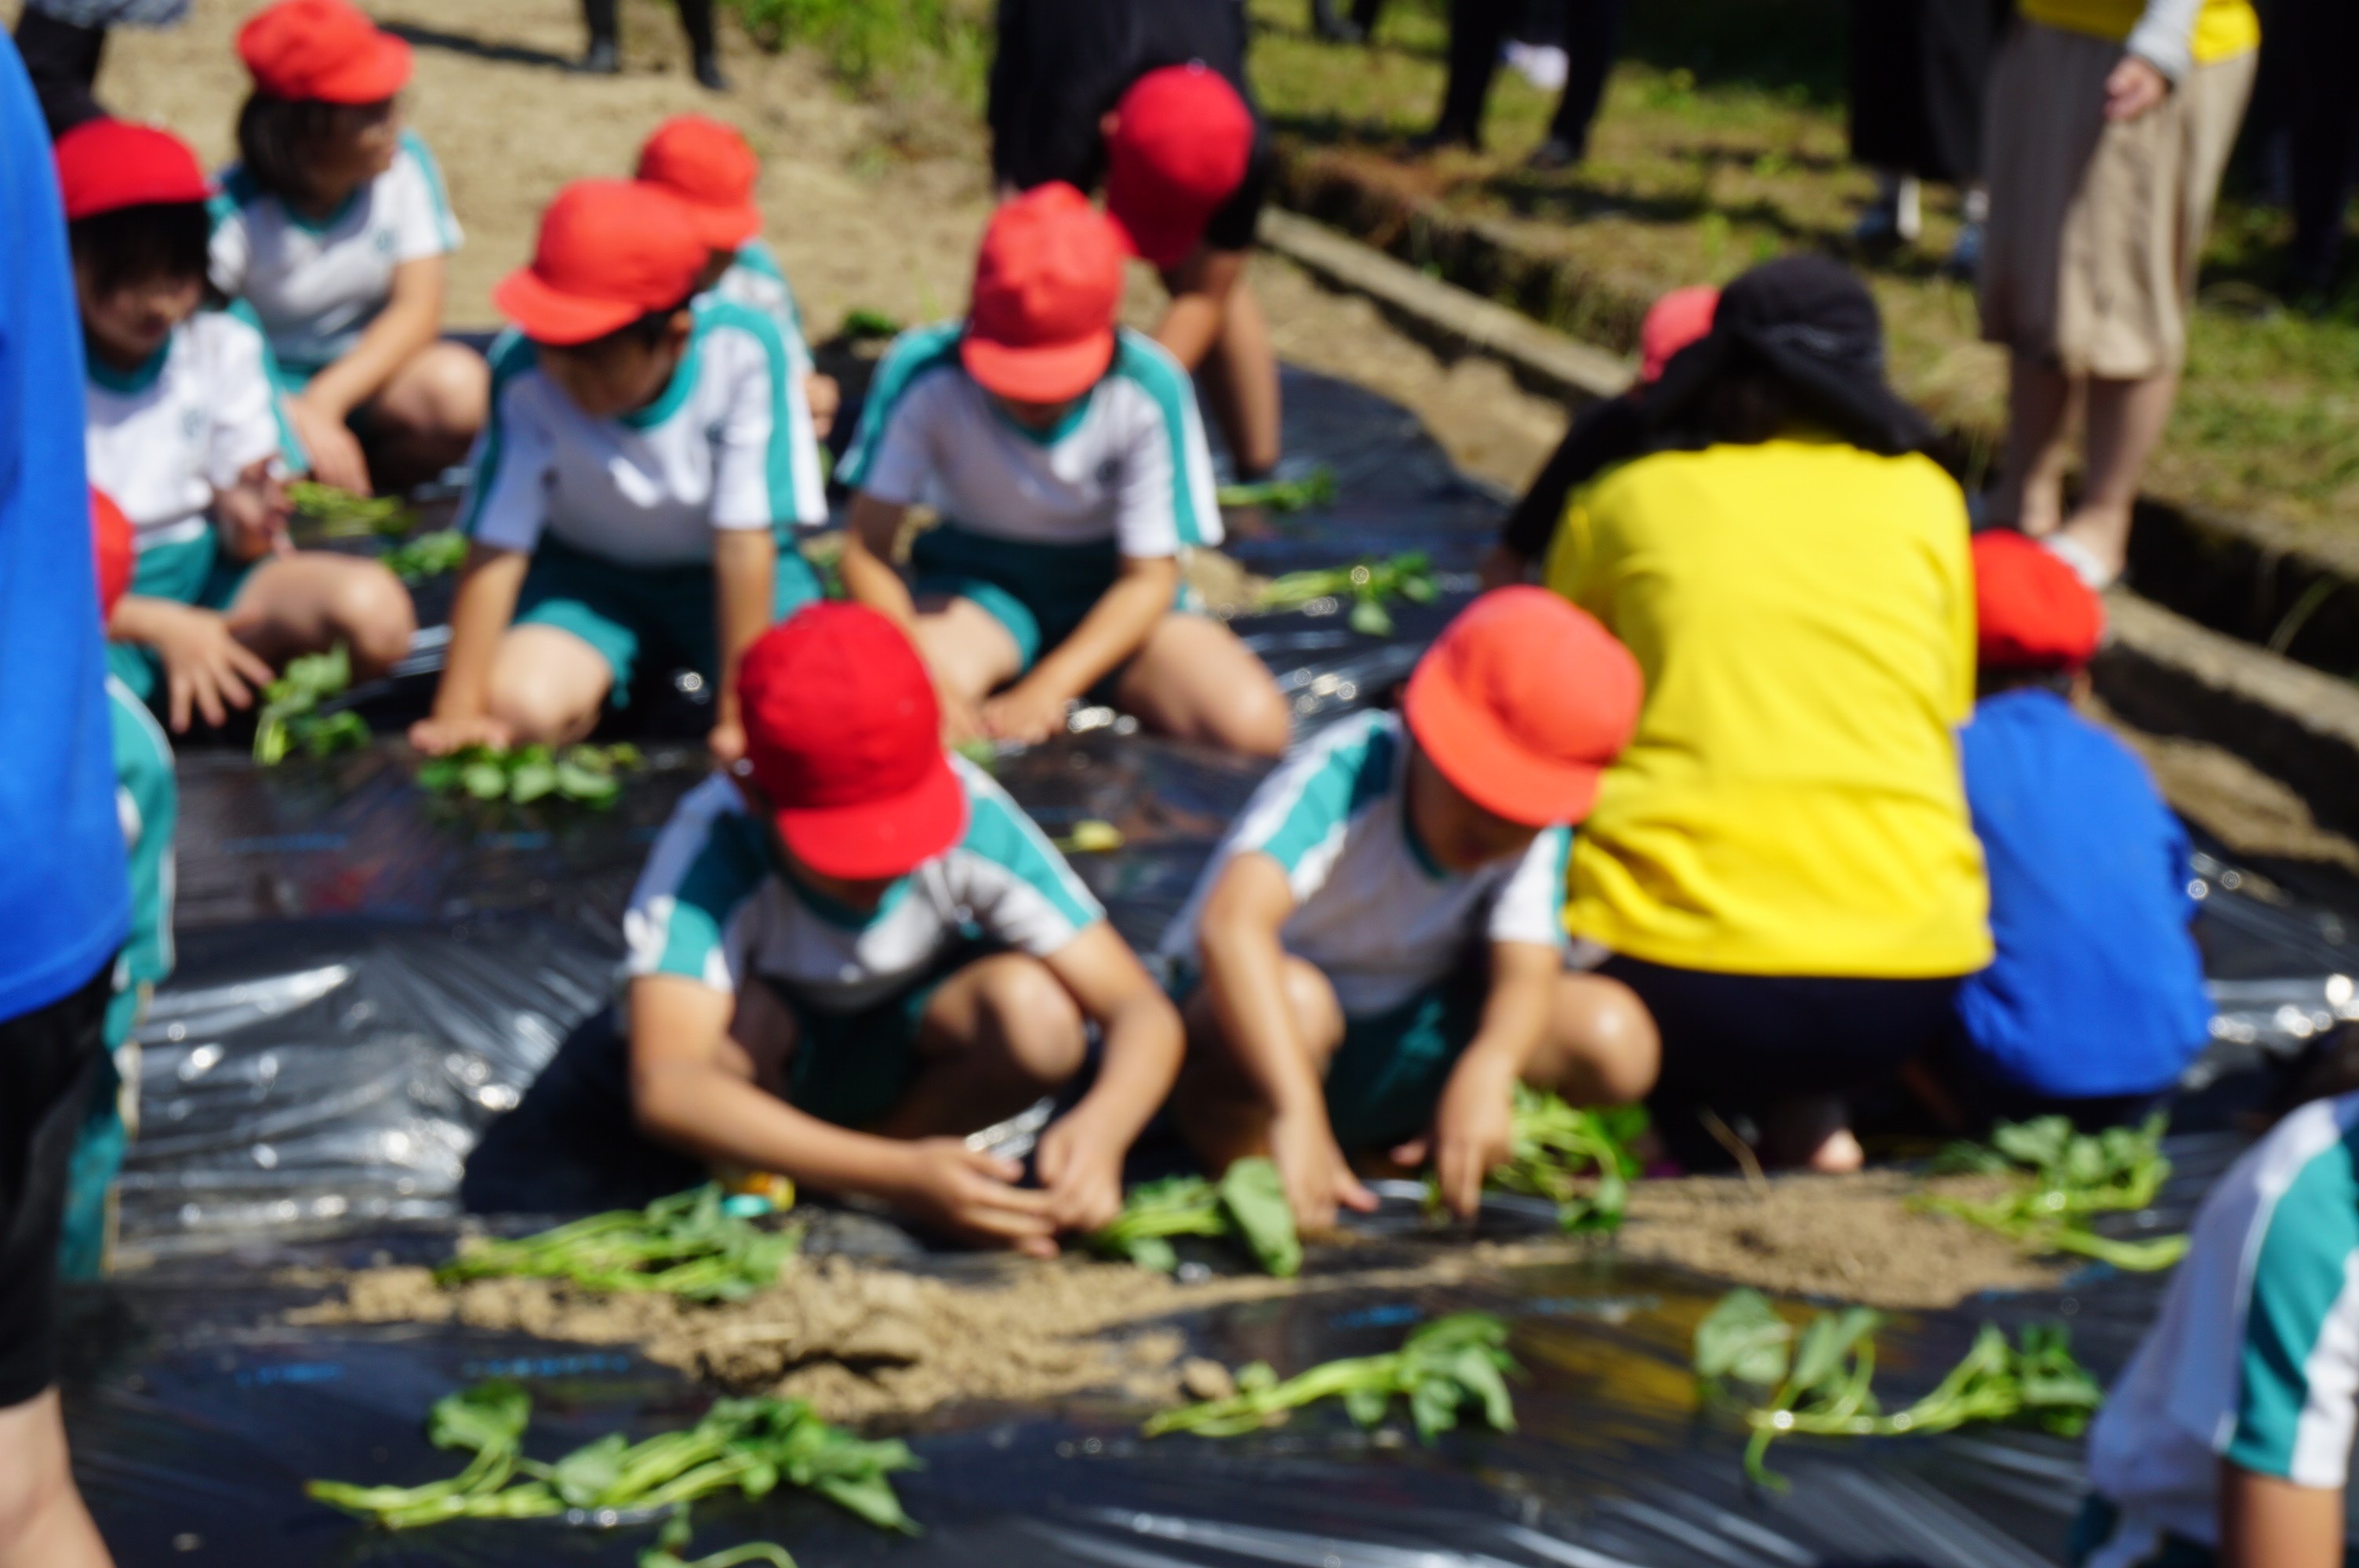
x=852 y=1068
x=1387 y=1075
x=1039 y=593
x=617 y=609
x=191 y=572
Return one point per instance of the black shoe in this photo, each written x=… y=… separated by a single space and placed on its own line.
x=1443 y=137
x=708 y=74
x=1332 y=26
x=604 y=59
x=1553 y=157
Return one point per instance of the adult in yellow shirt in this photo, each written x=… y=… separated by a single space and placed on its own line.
x=1781 y=864
x=2111 y=124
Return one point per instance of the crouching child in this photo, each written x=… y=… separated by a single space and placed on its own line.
x=1376 y=957
x=857 y=951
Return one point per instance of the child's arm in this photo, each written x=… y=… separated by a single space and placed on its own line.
x=1245 y=981
x=1473 y=1126
x=686 y=1092
x=1116 y=627
x=2266 y=1522
x=204 y=667
x=744 y=570
x=411 y=319
x=1081 y=1155
x=480 y=613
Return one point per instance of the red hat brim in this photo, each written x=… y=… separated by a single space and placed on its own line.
x=1049 y=372
x=368 y=77
x=725 y=228
x=549 y=316
x=1484 y=761
x=875 y=838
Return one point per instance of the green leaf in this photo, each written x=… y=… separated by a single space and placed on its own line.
x=1827 y=1342
x=488 y=1418
x=872 y=1497
x=1366 y=1406
x=1254 y=1198
x=1744 y=1338
x=485 y=781
x=530 y=781
x=586 y=1476
x=1371 y=618
x=1433 y=1406
x=577 y=783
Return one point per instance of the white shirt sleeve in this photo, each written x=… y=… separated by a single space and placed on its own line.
x=1530 y=903
x=2165 y=35
x=902 y=466
x=232 y=249
x=422 y=222
x=507 y=504
x=1147 y=505
x=753 y=459
x=245 y=423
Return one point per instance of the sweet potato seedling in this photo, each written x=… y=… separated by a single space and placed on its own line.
x=1578 y=1159
x=688 y=1245
x=2060 y=1181
x=522 y=775
x=1249 y=1204
x=1368 y=585
x=429 y=555
x=1442 y=1368
x=290 y=720
x=1314 y=489
x=342 y=514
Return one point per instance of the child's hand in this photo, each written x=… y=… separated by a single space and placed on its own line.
x=1311 y=1167
x=441 y=737
x=254 y=514
x=335 y=450
x=204 y=667
x=726 y=742
x=1082 y=1170
x=1473 y=1133
x=824 y=396
x=975 y=1195
x=1026 y=714
x=961 y=721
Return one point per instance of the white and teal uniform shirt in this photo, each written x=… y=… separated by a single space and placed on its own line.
x=317 y=284
x=757 y=281
x=727 y=448
x=160 y=440
x=148 y=799
x=1374 y=911
x=1128 y=463
x=714 y=904
x=2255 y=1358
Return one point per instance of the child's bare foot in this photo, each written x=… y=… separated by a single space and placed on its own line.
x=1811 y=1133
x=1837 y=1155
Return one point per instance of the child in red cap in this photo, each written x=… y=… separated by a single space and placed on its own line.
x=185 y=429
x=1376 y=951
x=334 y=226
x=858 y=950
x=2095 y=1002
x=708 y=164
x=1066 y=460
x=1151 y=101
x=636 y=490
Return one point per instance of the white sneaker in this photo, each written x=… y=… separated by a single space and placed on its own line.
x=2082 y=560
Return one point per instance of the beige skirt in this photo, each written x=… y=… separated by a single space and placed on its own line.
x=2096 y=228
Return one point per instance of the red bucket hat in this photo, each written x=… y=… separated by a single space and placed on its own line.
x=707 y=165
x=610 y=250
x=106 y=165
x=324 y=51
x=1522 y=702
x=1046 y=290
x=2032 y=612
x=844 y=738
x=1183 y=142
x=117 y=553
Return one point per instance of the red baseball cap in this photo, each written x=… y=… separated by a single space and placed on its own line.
x=844 y=738
x=1679 y=319
x=1046 y=290
x=1522 y=702
x=323 y=52
x=106 y=165
x=1183 y=142
x=707 y=165
x=610 y=251
x=2032 y=612
x=117 y=554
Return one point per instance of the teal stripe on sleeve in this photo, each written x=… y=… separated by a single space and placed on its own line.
x=1355 y=773
x=2299 y=1277
x=144 y=778
x=512 y=354
x=915 y=354
x=1563 y=856
x=755 y=256
x=998 y=830
x=725 y=873
x=715 y=314
x=445 y=221
x=1145 y=363
x=290 y=446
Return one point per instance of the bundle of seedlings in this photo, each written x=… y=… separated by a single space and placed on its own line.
x=1578 y=1159
x=1316 y=488
x=2059 y=1182
x=429 y=555
x=1368 y=585
x=751 y=1446
x=1247 y=1204
x=290 y=720
x=521 y=776
x=1818 y=1380
x=1442 y=1368
x=688 y=1245
x=336 y=514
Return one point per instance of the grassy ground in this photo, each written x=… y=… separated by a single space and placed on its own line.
x=1722 y=143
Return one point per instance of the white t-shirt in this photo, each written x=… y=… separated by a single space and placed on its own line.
x=1128 y=463
x=714 y=906
x=160 y=440
x=318 y=285
x=727 y=447
x=756 y=279
x=1374 y=911
x=2255 y=1357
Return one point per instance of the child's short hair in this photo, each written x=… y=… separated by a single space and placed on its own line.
x=277 y=139
x=647 y=332
x=132 y=245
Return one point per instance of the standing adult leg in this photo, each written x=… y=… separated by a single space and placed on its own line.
x=1593 y=38
x=604 y=55
x=1477 y=28
x=2325 y=126
x=703 y=47
x=2040 y=400
x=1239 y=382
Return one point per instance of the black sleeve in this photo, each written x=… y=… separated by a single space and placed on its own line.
x=1602 y=434
x=1233 y=226
x=1056 y=71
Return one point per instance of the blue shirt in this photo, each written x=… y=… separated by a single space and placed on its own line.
x=65 y=896
x=2097 y=988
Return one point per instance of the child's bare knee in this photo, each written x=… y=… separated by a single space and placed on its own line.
x=374 y=616
x=33 y=1479
x=1029 y=1012
x=1620 y=1051
x=537 y=710
x=1260 y=724
x=458 y=386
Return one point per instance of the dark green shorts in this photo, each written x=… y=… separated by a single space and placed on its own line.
x=191 y=572
x=1388 y=1073
x=618 y=609
x=852 y=1069
x=1039 y=593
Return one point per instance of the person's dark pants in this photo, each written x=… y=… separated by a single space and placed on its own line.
x=62 y=60
x=2324 y=45
x=1593 y=36
x=1326 y=17
x=1920 y=74
x=695 y=20
x=48 y=1058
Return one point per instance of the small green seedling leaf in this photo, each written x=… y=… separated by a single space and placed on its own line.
x=1254 y=1197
